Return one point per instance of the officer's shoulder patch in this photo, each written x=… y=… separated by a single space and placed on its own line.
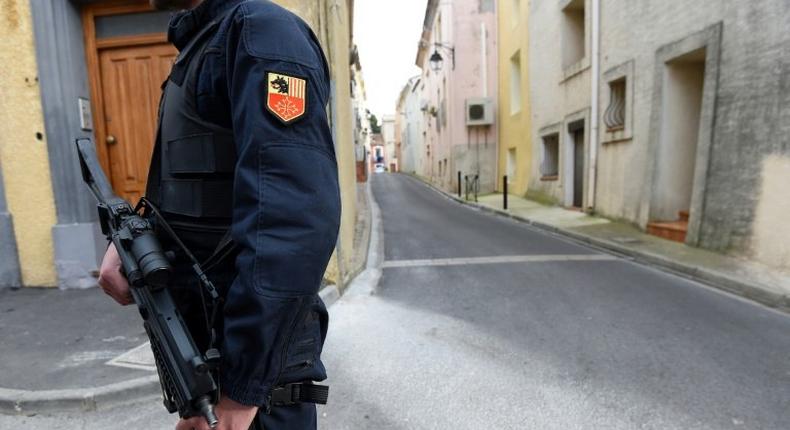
x=286 y=96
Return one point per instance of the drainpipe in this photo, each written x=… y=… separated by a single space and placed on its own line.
x=595 y=72
x=483 y=53
x=483 y=80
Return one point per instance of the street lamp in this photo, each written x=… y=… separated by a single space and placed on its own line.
x=436 y=59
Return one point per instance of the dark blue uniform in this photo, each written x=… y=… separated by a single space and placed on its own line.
x=285 y=198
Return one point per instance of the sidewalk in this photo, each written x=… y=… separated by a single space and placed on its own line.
x=57 y=349
x=751 y=280
x=78 y=350
x=74 y=350
x=361 y=233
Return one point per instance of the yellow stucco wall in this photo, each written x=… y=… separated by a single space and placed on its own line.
x=338 y=35
x=23 y=155
x=330 y=21
x=514 y=129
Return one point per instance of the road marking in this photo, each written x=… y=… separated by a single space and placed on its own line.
x=140 y=358
x=497 y=260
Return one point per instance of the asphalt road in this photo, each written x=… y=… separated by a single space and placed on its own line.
x=565 y=338
x=478 y=322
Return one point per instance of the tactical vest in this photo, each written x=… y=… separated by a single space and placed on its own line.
x=191 y=174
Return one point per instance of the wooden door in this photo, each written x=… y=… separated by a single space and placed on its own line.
x=130 y=79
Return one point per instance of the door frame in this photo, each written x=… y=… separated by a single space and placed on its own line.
x=710 y=39
x=573 y=122
x=92 y=48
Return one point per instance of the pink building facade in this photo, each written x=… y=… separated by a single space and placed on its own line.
x=463 y=33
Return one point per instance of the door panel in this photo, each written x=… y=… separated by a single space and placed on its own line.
x=130 y=82
x=578 y=168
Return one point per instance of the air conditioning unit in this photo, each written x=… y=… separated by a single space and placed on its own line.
x=479 y=111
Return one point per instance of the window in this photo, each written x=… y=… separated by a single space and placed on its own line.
x=618 y=118
x=573 y=33
x=550 y=167
x=131 y=24
x=511 y=164
x=515 y=83
x=614 y=116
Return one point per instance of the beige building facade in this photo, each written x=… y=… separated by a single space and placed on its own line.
x=559 y=69
x=670 y=115
x=703 y=137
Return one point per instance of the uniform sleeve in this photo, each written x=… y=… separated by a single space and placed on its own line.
x=285 y=220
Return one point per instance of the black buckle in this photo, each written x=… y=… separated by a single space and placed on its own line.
x=300 y=392
x=284 y=396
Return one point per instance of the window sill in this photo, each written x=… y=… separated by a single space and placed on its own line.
x=575 y=69
x=615 y=136
x=548 y=178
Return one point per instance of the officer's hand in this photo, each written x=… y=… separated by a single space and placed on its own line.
x=111 y=280
x=231 y=416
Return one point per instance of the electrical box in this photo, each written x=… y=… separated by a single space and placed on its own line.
x=479 y=111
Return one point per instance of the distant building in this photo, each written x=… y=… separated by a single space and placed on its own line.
x=462 y=35
x=361 y=123
x=378 y=153
x=409 y=126
x=388 y=135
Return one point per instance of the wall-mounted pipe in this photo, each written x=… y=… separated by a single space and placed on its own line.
x=595 y=67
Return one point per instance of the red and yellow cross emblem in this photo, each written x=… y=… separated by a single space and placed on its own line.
x=286 y=97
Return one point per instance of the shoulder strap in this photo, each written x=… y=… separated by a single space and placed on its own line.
x=225 y=248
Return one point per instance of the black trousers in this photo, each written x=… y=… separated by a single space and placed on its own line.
x=297 y=417
x=186 y=293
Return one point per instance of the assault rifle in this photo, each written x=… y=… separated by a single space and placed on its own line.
x=185 y=374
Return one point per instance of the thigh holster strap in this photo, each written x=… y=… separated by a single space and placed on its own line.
x=301 y=392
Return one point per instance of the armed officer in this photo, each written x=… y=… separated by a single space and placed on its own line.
x=244 y=171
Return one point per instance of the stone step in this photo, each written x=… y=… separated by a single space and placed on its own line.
x=673 y=230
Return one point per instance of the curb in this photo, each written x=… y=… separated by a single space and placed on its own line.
x=24 y=402
x=753 y=292
x=329 y=294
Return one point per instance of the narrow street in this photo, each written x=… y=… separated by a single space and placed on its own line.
x=556 y=336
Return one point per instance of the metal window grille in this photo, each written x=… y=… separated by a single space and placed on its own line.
x=614 y=117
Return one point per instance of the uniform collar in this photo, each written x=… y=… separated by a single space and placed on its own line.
x=185 y=24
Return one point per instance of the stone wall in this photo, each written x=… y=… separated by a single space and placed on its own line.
x=738 y=202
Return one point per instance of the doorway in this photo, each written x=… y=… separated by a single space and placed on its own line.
x=128 y=59
x=130 y=79
x=682 y=95
x=574 y=165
